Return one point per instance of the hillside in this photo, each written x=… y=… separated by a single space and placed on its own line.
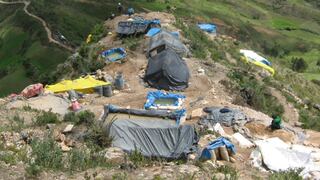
x=281 y=29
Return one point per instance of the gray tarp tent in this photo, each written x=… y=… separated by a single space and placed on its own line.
x=165 y=40
x=167 y=71
x=154 y=137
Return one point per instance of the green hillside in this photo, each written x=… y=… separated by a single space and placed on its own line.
x=280 y=29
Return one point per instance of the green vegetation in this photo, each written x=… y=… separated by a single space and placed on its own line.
x=86 y=117
x=227 y=171
x=285 y=175
x=255 y=93
x=47 y=155
x=46 y=118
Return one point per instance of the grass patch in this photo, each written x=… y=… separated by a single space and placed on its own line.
x=286 y=175
x=255 y=94
x=45 y=118
x=227 y=171
x=86 y=117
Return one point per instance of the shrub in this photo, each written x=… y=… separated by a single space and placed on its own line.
x=86 y=117
x=71 y=117
x=46 y=154
x=46 y=118
x=97 y=137
x=18 y=124
x=255 y=94
x=137 y=158
x=285 y=175
x=298 y=64
x=316 y=81
x=233 y=173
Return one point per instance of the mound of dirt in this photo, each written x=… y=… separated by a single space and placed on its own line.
x=262 y=131
x=46 y=103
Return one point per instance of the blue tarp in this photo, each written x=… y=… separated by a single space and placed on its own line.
x=114 y=54
x=153 y=31
x=155 y=95
x=210 y=28
x=221 y=141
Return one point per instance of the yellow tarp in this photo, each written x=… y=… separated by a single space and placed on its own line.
x=260 y=64
x=84 y=85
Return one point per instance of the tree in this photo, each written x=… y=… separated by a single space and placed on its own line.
x=298 y=64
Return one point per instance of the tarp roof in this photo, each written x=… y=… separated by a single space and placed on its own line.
x=167 y=71
x=154 y=138
x=82 y=84
x=167 y=39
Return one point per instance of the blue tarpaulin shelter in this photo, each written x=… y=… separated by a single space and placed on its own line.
x=153 y=96
x=210 y=28
x=114 y=54
x=221 y=141
x=153 y=31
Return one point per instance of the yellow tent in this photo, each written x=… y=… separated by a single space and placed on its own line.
x=84 y=85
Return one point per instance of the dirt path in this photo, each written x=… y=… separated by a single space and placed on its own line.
x=44 y=24
x=290 y=113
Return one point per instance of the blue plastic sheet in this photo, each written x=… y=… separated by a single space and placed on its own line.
x=210 y=28
x=153 y=31
x=114 y=54
x=221 y=141
x=155 y=95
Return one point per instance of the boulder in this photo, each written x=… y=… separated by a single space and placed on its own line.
x=115 y=155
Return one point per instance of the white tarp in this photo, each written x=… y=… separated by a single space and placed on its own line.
x=242 y=141
x=251 y=55
x=279 y=156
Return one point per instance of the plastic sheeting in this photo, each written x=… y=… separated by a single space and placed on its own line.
x=167 y=71
x=210 y=28
x=175 y=115
x=154 y=138
x=153 y=96
x=225 y=116
x=32 y=90
x=83 y=84
x=221 y=141
x=114 y=54
x=153 y=31
x=166 y=40
x=256 y=59
x=279 y=156
x=137 y=25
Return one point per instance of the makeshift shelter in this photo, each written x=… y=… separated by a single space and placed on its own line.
x=166 y=40
x=167 y=71
x=114 y=54
x=209 y=28
x=83 y=84
x=256 y=59
x=136 y=25
x=153 y=137
x=163 y=100
x=225 y=116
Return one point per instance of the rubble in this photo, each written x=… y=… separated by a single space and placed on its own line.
x=68 y=128
x=115 y=155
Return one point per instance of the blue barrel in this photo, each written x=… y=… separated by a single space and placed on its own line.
x=107 y=91
x=119 y=82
